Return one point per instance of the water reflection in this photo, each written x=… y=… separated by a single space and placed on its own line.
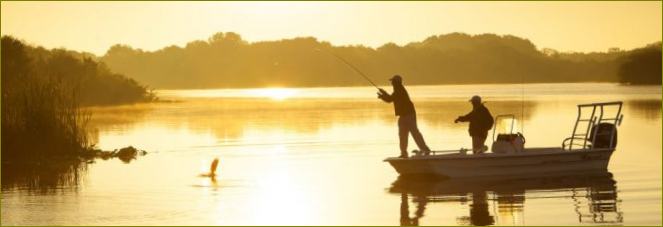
x=241 y=122
x=601 y=207
x=43 y=177
x=501 y=201
x=649 y=109
x=120 y=117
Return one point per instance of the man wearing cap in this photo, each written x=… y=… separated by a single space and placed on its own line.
x=480 y=123
x=407 y=118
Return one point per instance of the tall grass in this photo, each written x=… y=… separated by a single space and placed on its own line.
x=43 y=133
x=41 y=118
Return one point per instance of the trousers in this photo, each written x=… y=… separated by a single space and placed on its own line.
x=408 y=125
x=478 y=142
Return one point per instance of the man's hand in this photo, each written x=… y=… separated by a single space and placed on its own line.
x=457 y=120
x=382 y=92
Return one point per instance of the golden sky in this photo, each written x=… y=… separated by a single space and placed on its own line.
x=565 y=26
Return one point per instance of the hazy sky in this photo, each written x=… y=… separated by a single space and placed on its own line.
x=565 y=26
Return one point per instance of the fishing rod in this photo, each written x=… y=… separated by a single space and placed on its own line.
x=351 y=66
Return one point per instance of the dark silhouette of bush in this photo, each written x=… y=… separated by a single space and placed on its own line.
x=42 y=94
x=642 y=66
x=225 y=60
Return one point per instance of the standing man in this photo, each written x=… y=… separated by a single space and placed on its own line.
x=480 y=123
x=407 y=120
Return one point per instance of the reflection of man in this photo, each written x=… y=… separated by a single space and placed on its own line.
x=407 y=120
x=479 y=214
x=480 y=123
x=405 y=211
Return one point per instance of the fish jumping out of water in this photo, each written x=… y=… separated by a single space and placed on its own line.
x=212 y=169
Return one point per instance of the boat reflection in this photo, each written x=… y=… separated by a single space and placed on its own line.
x=501 y=201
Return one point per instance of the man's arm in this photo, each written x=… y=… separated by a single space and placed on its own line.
x=464 y=118
x=385 y=96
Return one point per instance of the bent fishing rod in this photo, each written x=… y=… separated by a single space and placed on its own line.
x=351 y=66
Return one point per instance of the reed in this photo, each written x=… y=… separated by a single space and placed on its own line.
x=42 y=118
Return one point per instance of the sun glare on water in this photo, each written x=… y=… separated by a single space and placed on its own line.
x=274 y=93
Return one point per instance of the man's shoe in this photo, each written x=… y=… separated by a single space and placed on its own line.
x=403 y=156
x=425 y=151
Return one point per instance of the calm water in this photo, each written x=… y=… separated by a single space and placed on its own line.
x=314 y=157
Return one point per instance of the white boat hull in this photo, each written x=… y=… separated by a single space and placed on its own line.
x=530 y=161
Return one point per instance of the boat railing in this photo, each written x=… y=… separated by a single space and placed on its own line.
x=575 y=141
x=459 y=151
x=585 y=138
x=509 y=116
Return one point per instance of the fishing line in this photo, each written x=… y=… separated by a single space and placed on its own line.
x=351 y=66
x=522 y=104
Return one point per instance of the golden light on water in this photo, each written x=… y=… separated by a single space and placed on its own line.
x=275 y=93
x=272 y=93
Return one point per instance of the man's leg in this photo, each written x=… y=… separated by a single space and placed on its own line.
x=416 y=134
x=402 y=136
x=478 y=142
x=475 y=144
x=482 y=140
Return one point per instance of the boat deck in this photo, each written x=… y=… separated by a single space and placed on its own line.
x=527 y=152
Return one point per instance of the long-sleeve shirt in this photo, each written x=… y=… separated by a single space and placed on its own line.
x=402 y=104
x=480 y=120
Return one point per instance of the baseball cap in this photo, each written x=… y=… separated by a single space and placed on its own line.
x=475 y=98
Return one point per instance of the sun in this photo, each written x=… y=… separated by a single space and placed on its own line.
x=275 y=93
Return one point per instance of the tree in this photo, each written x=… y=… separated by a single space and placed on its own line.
x=642 y=66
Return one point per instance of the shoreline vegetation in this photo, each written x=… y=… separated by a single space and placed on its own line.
x=43 y=119
x=225 y=60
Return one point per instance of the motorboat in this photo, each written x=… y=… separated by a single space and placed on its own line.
x=592 y=142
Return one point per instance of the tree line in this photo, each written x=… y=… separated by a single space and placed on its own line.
x=226 y=60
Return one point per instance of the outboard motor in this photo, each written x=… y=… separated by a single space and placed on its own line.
x=603 y=133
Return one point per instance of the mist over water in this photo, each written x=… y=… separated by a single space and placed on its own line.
x=313 y=156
